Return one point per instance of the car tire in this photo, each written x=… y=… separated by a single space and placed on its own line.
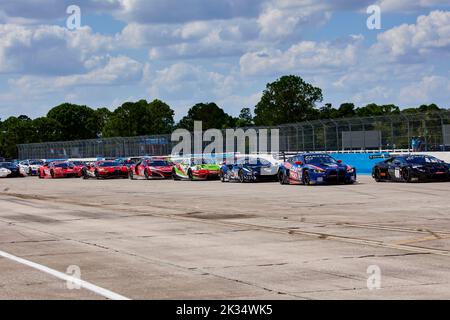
x=282 y=177
x=406 y=175
x=52 y=173
x=241 y=176
x=306 y=179
x=222 y=176
x=190 y=175
x=377 y=175
x=174 y=175
x=147 y=177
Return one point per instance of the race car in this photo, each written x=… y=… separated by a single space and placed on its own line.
x=31 y=167
x=59 y=169
x=411 y=168
x=316 y=168
x=152 y=168
x=11 y=170
x=105 y=169
x=250 y=169
x=200 y=168
x=129 y=162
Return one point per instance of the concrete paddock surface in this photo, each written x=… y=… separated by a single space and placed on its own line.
x=209 y=240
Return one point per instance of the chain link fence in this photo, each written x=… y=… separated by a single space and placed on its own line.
x=391 y=132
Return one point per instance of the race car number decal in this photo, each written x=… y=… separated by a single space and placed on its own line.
x=293 y=175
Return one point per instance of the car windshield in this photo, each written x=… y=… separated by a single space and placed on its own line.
x=422 y=160
x=36 y=163
x=63 y=165
x=158 y=163
x=204 y=161
x=78 y=163
x=6 y=165
x=253 y=162
x=320 y=159
x=109 y=164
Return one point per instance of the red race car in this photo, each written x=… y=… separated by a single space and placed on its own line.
x=152 y=168
x=55 y=170
x=105 y=169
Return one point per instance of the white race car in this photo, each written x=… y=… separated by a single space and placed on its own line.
x=4 y=172
x=31 y=167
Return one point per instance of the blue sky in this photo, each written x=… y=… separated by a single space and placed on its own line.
x=190 y=51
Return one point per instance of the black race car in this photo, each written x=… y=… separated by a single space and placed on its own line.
x=10 y=170
x=250 y=169
x=412 y=168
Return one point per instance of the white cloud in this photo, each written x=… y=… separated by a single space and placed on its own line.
x=411 y=41
x=409 y=5
x=427 y=90
x=305 y=56
x=119 y=70
x=200 y=39
x=48 y=50
x=173 y=11
x=182 y=80
x=37 y=11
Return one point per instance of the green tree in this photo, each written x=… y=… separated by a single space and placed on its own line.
x=139 y=118
x=377 y=110
x=245 y=118
x=14 y=131
x=346 y=110
x=77 y=122
x=212 y=117
x=162 y=117
x=428 y=108
x=46 y=129
x=102 y=115
x=289 y=99
x=328 y=112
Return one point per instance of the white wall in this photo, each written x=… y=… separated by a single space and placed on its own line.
x=444 y=156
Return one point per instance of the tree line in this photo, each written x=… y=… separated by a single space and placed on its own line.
x=287 y=100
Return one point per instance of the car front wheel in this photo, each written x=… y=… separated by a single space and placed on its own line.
x=377 y=175
x=282 y=177
x=406 y=175
x=306 y=179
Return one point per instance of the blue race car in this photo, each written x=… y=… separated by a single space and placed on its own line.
x=249 y=169
x=315 y=168
x=411 y=168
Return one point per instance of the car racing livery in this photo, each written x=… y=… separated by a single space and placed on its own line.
x=250 y=169
x=105 y=170
x=56 y=170
x=31 y=167
x=316 y=168
x=195 y=169
x=129 y=162
x=411 y=168
x=11 y=170
x=152 y=168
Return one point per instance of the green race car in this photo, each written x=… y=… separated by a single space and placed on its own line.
x=195 y=169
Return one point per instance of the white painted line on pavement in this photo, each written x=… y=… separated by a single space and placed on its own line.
x=81 y=283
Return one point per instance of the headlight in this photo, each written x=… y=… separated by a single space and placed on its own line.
x=319 y=171
x=350 y=170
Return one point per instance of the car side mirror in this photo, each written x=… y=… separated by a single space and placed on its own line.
x=299 y=163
